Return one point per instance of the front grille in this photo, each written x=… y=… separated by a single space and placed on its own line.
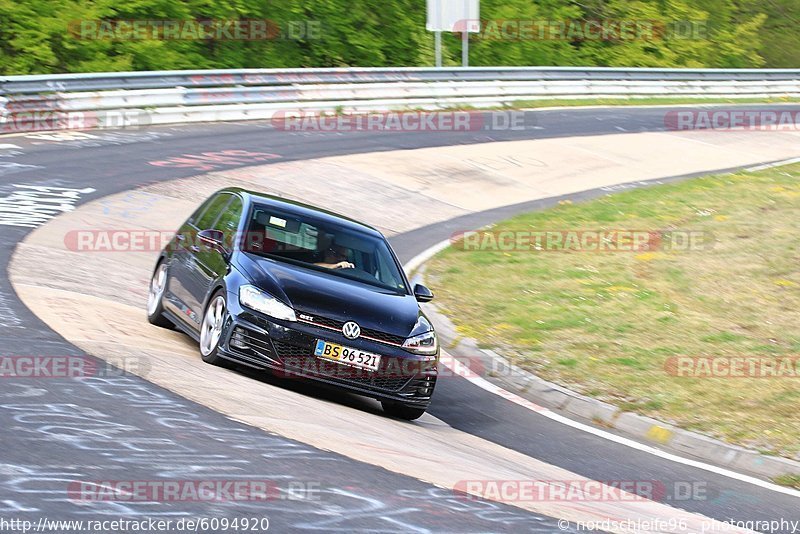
x=383 y=336
x=324 y=321
x=287 y=350
x=246 y=341
x=301 y=360
x=388 y=383
x=334 y=324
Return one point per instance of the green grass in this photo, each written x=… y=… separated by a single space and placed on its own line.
x=793 y=481
x=622 y=101
x=646 y=101
x=605 y=324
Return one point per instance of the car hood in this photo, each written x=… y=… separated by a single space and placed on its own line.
x=322 y=294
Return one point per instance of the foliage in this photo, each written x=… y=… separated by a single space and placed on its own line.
x=43 y=36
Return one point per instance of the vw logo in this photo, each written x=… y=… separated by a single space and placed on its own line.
x=351 y=330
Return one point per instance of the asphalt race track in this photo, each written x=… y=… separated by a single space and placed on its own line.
x=55 y=430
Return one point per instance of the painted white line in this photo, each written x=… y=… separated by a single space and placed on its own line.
x=7 y=145
x=462 y=370
x=414 y=263
x=771 y=165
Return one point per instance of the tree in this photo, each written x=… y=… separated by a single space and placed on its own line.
x=45 y=36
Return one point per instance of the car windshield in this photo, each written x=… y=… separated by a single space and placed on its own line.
x=322 y=246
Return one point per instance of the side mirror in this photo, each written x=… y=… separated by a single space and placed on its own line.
x=422 y=293
x=213 y=239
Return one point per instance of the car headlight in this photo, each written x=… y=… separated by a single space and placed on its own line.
x=255 y=299
x=426 y=343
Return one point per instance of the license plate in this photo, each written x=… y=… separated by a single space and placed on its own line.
x=347 y=356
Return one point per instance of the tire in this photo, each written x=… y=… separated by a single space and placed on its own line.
x=155 y=296
x=212 y=327
x=409 y=413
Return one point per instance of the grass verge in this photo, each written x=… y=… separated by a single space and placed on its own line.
x=647 y=101
x=792 y=481
x=609 y=324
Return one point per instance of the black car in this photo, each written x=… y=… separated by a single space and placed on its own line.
x=303 y=292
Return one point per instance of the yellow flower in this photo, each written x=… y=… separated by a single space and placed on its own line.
x=648 y=256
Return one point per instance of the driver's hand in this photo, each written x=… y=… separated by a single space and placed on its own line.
x=344 y=265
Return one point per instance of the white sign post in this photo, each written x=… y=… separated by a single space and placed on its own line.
x=453 y=16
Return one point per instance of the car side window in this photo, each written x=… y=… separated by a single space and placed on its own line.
x=228 y=222
x=210 y=215
x=200 y=211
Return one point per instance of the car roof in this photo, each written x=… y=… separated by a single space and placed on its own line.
x=302 y=210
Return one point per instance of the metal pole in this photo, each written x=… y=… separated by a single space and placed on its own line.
x=438 y=34
x=438 y=46
x=465 y=49
x=465 y=37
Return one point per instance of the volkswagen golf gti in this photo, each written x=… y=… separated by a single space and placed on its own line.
x=302 y=292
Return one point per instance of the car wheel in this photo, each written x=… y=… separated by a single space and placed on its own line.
x=155 y=295
x=211 y=328
x=409 y=413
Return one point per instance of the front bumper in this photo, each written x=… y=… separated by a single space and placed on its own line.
x=287 y=349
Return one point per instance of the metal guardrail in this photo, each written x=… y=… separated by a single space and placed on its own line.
x=188 y=96
x=249 y=77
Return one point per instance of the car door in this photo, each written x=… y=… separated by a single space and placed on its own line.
x=210 y=263
x=186 y=283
